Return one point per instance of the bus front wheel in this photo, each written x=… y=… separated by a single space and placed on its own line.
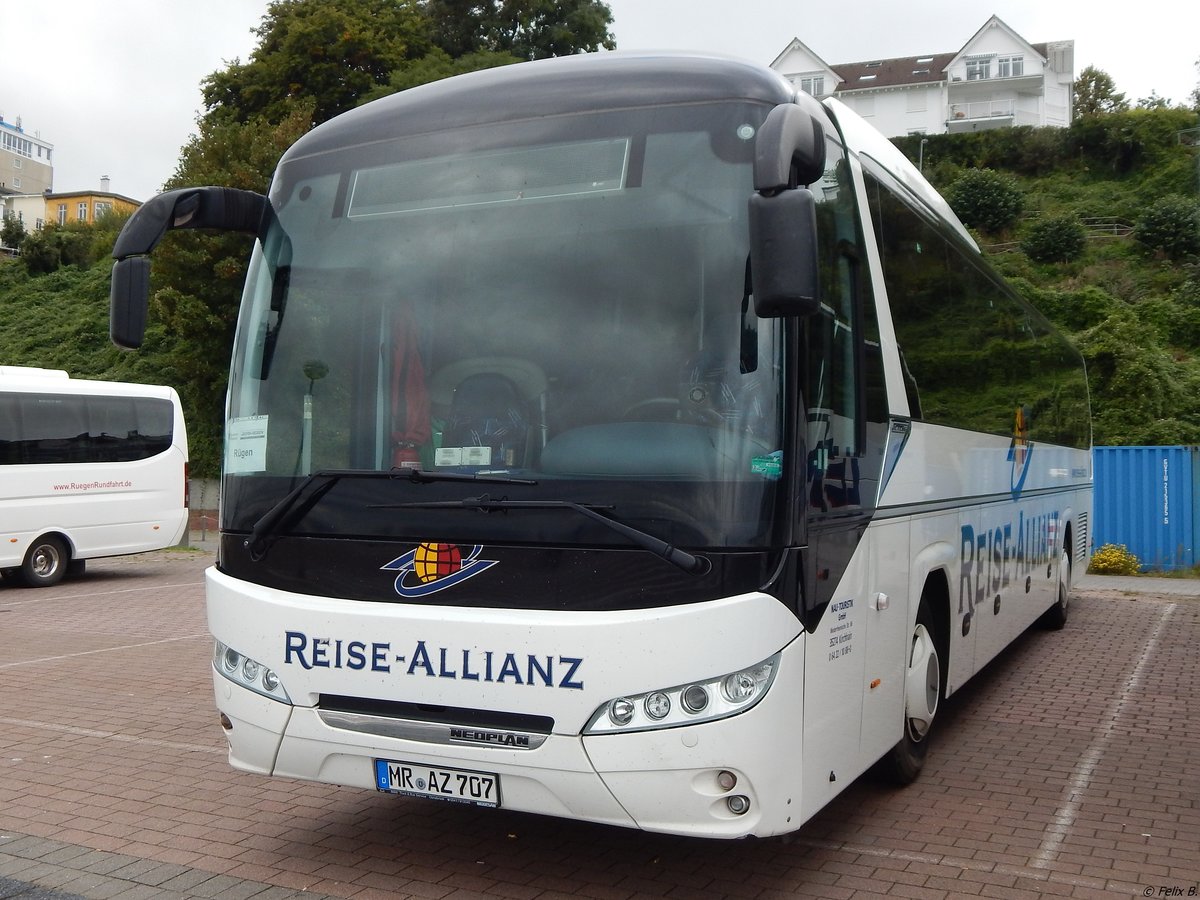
x=46 y=562
x=922 y=690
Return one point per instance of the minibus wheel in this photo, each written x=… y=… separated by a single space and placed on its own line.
x=46 y=562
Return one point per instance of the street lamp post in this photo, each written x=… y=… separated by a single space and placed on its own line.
x=921 y=155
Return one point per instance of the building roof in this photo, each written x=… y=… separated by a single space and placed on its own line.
x=66 y=195
x=925 y=69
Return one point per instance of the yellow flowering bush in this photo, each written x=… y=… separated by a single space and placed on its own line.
x=1114 y=559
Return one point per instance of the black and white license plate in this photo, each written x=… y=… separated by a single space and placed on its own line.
x=420 y=780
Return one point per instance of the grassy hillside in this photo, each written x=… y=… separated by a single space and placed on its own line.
x=1134 y=313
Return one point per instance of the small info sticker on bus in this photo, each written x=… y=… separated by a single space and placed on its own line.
x=246 y=444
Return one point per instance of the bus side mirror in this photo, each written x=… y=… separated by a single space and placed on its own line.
x=783 y=254
x=789 y=151
x=225 y=209
x=128 y=302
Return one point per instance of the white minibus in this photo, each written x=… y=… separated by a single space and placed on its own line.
x=87 y=469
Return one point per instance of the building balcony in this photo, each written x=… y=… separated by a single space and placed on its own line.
x=980 y=115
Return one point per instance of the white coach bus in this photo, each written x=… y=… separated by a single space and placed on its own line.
x=87 y=469
x=626 y=438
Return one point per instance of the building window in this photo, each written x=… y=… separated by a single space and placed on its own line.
x=39 y=224
x=1010 y=66
x=62 y=214
x=978 y=69
x=102 y=207
x=814 y=85
x=870 y=77
x=16 y=162
x=17 y=182
x=82 y=215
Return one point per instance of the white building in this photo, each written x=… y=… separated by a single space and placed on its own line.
x=26 y=164
x=996 y=80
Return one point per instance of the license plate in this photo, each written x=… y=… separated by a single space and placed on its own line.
x=455 y=785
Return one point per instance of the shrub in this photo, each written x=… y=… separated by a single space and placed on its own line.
x=987 y=200
x=1054 y=239
x=1170 y=227
x=1114 y=559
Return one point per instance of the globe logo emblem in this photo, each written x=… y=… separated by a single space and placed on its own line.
x=433 y=567
x=434 y=561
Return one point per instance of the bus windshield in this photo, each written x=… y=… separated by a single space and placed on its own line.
x=564 y=301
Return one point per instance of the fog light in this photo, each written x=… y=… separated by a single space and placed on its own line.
x=726 y=781
x=658 y=705
x=225 y=723
x=621 y=711
x=695 y=698
x=738 y=805
x=739 y=687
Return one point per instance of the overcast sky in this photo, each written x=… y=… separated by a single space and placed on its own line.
x=114 y=86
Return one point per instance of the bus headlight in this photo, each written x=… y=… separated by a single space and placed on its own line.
x=685 y=704
x=247 y=672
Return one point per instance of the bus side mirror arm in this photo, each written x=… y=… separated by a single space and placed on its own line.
x=225 y=209
x=789 y=151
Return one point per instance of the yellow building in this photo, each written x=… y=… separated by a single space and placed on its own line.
x=86 y=206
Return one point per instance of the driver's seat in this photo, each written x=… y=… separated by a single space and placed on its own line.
x=493 y=402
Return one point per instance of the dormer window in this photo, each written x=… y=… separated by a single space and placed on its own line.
x=978 y=69
x=924 y=60
x=870 y=77
x=813 y=85
x=874 y=65
x=1010 y=66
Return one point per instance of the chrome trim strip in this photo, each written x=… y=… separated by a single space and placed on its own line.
x=431 y=732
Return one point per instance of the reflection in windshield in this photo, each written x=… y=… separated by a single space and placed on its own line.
x=566 y=302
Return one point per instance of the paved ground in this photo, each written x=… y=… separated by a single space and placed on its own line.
x=1071 y=767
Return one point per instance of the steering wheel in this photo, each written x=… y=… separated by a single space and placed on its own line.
x=671 y=409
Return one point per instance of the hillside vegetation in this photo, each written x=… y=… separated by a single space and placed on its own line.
x=1103 y=237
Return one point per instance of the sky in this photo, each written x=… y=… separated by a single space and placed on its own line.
x=114 y=85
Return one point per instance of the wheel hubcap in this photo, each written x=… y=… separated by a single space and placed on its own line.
x=45 y=562
x=922 y=684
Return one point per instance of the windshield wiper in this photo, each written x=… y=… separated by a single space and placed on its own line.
x=694 y=565
x=289 y=510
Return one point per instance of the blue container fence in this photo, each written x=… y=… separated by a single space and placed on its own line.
x=1148 y=498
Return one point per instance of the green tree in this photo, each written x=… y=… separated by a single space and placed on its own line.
x=1096 y=93
x=332 y=52
x=1054 y=239
x=434 y=66
x=1170 y=227
x=526 y=29
x=1153 y=102
x=985 y=199
x=12 y=232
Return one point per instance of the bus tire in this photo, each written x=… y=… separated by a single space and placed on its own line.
x=46 y=562
x=922 y=692
x=1056 y=616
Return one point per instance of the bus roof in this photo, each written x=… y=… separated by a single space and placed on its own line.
x=548 y=87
